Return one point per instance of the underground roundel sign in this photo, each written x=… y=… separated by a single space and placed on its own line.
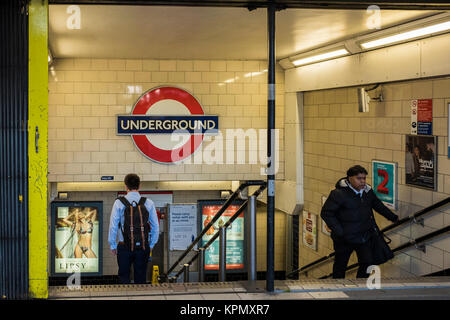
x=167 y=124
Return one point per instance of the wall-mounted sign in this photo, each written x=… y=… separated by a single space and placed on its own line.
x=422 y=117
x=182 y=225
x=420 y=161
x=325 y=228
x=236 y=237
x=310 y=230
x=76 y=238
x=167 y=124
x=384 y=182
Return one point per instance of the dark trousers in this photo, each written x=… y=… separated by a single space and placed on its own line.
x=343 y=251
x=137 y=257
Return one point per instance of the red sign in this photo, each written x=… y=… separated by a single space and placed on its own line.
x=144 y=105
x=425 y=110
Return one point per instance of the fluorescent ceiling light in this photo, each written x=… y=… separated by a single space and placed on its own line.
x=407 y=35
x=320 y=57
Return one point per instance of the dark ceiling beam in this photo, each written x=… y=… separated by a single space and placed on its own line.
x=281 y=4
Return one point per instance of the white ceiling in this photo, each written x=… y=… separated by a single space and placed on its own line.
x=153 y=32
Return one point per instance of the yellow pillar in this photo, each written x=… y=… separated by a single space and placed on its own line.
x=37 y=155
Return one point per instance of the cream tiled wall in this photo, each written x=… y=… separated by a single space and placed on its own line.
x=86 y=94
x=336 y=137
x=110 y=263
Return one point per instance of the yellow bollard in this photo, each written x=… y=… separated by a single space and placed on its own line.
x=155 y=275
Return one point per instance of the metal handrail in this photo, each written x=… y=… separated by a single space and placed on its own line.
x=390 y=227
x=405 y=245
x=219 y=213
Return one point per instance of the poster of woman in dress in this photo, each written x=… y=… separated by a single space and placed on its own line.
x=420 y=161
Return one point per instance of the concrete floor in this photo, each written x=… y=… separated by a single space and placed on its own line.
x=430 y=288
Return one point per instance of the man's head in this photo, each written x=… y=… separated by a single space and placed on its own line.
x=132 y=181
x=356 y=175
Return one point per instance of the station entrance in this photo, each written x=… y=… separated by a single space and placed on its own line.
x=199 y=102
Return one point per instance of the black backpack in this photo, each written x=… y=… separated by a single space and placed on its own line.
x=136 y=226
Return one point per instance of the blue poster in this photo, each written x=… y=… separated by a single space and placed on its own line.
x=384 y=177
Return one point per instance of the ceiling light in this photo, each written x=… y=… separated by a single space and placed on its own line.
x=407 y=35
x=320 y=57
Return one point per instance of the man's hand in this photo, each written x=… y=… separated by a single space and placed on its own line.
x=114 y=252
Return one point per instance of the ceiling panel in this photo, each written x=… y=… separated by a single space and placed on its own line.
x=158 y=32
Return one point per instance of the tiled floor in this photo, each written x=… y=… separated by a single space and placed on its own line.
x=391 y=289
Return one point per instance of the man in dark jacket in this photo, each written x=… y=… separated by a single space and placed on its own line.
x=348 y=213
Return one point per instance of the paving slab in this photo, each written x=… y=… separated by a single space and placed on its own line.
x=293 y=296
x=221 y=296
x=329 y=295
x=184 y=297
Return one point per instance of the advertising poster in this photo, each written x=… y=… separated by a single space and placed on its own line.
x=325 y=228
x=76 y=238
x=420 y=161
x=182 y=225
x=310 y=230
x=235 y=251
x=422 y=117
x=384 y=176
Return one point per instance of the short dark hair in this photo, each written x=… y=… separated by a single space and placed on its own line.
x=132 y=181
x=355 y=170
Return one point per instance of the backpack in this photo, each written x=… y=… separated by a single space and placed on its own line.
x=136 y=226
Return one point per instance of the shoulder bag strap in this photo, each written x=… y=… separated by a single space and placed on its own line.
x=126 y=204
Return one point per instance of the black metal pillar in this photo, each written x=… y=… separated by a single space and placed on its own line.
x=222 y=254
x=271 y=149
x=13 y=150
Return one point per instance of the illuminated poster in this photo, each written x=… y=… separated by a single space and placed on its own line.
x=420 y=161
x=310 y=230
x=384 y=182
x=235 y=251
x=76 y=238
x=325 y=228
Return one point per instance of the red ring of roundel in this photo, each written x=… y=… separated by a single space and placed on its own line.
x=145 y=103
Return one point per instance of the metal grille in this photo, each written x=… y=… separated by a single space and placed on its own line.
x=13 y=150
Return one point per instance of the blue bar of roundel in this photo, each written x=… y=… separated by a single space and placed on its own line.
x=162 y=130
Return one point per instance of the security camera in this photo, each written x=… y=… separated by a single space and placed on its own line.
x=363 y=100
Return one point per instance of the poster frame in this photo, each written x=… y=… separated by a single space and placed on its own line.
x=239 y=202
x=393 y=206
x=169 y=224
x=54 y=206
x=435 y=164
x=316 y=236
x=448 y=130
